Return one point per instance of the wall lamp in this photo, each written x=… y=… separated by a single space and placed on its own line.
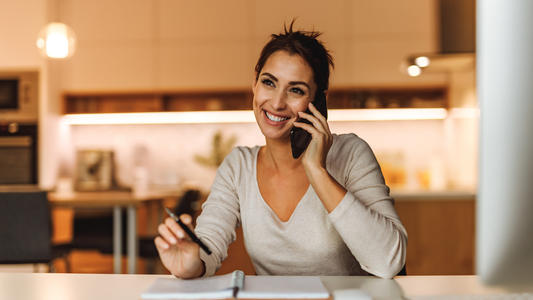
x=416 y=64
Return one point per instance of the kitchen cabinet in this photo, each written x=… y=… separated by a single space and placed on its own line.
x=441 y=235
x=241 y=99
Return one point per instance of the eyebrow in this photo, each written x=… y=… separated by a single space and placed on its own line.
x=290 y=82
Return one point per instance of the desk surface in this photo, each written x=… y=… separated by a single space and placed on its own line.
x=39 y=286
x=107 y=199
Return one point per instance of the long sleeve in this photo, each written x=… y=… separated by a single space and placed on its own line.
x=220 y=214
x=365 y=218
x=363 y=226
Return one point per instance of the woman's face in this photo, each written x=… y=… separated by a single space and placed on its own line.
x=284 y=87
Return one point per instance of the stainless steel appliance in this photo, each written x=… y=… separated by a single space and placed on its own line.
x=19 y=92
x=18 y=153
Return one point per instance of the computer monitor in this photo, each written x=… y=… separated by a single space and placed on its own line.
x=505 y=93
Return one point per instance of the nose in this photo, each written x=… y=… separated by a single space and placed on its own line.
x=278 y=100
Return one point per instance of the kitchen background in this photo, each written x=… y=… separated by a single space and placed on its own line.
x=173 y=45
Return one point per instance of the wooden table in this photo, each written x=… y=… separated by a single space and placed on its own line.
x=39 y=286
x=115 y=200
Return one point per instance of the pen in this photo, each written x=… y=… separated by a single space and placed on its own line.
x=191 y=234
x=234 y=293
x=237 y=281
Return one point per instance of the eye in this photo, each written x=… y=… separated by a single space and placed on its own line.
x=298 y=91
x=267 y=82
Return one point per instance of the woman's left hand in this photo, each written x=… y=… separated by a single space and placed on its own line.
x=314 y=157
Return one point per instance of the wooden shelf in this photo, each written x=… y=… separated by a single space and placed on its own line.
x=217 y=100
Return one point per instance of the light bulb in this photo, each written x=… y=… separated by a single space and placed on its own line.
x=422 y=61
x=414 y=70
x=57 y=41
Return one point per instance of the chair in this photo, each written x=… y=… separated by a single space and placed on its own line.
x=402 y=272
x=92 y=230
x=188 y=204
x=25 y=228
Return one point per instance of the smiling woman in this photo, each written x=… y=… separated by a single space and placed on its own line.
x=327 y=212
x=279 y=98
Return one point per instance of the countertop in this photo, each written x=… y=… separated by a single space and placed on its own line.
x=397 y=194
x=83 y=286
x=448 y=194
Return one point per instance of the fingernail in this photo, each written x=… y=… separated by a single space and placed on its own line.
x=173 y=241
x=165 y=246
x=180 y=234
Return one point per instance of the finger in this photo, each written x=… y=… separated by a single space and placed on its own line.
x=323 y=137
x=316 y=112
x=175 y=228
x=307 y=127
x=160 y=244
x=316 y=123
x=187 y=220
x=319 y=116
x=166 y=234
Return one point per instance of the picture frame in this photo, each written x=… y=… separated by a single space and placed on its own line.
x=94 y=170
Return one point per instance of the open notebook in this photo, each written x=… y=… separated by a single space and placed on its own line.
x=239 y=286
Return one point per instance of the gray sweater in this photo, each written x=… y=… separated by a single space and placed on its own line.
x=362 y=235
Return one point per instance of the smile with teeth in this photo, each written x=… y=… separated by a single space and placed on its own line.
x=275 y=118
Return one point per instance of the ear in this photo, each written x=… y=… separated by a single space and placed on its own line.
x=326 y=94
x=254 y=83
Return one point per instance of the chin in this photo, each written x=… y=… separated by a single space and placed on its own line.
x=276 y=135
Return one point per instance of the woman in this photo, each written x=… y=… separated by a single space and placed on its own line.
x=326 y=213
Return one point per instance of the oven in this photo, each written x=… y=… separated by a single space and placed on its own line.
x=18 y=153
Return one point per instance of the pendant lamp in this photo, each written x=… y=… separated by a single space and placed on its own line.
x=56 y=41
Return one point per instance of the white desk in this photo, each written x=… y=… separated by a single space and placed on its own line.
x=117 y=201
x=39 y=286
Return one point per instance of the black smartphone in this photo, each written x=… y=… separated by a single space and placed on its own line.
x=300 y=138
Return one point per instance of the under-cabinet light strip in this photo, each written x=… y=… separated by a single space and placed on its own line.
x=248 y=116
x=387 y=114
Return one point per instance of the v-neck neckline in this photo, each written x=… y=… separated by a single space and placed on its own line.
x=261 y=199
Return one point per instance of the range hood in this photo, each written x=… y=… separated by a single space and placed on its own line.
x=457 y=39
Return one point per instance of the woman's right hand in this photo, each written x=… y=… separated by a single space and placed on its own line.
x=179 y=254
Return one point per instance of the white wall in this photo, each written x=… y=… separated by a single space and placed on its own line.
x=171 y=148
x=175 y=44
x=20 y=22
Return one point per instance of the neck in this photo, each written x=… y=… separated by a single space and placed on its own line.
x=279 y=154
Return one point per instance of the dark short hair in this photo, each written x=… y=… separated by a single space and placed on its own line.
x=306 y=45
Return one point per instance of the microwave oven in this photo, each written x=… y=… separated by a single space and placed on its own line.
x=19 y=93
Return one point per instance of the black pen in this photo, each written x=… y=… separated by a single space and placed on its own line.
x=191 y=234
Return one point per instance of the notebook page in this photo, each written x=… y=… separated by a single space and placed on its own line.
x=286 y=287
x=216 y=287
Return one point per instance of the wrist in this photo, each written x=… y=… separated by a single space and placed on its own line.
x=203 y=269
x=185 y=271
x=316 y=173
x=199 y=272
